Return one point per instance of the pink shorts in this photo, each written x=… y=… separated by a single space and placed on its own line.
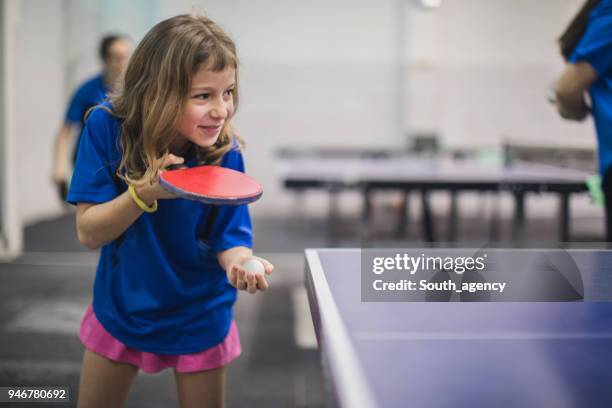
x=95 y=338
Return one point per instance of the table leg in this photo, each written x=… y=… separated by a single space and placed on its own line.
x=428 y=225
x=518 y=229
x=366 y=215
x=494 y=220
x=564 y=210
x=403 y=215
x=333 y=216
x=453 y=217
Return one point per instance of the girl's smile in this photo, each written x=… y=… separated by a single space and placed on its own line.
x=211 y=131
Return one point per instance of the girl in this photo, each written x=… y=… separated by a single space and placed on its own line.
x=169 y=268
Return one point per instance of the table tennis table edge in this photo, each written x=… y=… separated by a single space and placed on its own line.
x=352 y=388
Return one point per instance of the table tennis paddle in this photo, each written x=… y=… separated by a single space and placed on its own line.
x=211 y=185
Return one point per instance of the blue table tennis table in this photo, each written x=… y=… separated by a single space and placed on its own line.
x=422 y=354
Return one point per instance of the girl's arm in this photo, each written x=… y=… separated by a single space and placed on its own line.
x=571 y=89
x=63 y=141
x=232 y=261
x=99 y=224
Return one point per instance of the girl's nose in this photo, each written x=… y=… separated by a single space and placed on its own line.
x=219 y=110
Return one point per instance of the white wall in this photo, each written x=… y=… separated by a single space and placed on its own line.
x=12 y=235
x=319 y=73
x=479 y=72
x=38 y=102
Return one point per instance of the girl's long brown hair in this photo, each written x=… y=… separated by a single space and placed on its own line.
x=156 y=88
x=576 y=28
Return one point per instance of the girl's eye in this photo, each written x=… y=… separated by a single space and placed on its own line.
x=229 y=92
x=202 y=96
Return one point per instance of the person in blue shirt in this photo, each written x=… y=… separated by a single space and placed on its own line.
x=114 y=52
x=586 y=46
x=169 y=268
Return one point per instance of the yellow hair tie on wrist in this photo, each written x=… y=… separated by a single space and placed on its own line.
x=143 y=206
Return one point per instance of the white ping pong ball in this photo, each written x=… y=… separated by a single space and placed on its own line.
x=255 y=266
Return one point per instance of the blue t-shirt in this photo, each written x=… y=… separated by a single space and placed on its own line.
x=595 y=47
x=91 y=93
x=160 y=287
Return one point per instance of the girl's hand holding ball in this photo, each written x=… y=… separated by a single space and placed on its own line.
x=250 y=274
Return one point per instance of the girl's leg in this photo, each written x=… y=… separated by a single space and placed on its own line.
x=201 y=389
x=104 y=383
